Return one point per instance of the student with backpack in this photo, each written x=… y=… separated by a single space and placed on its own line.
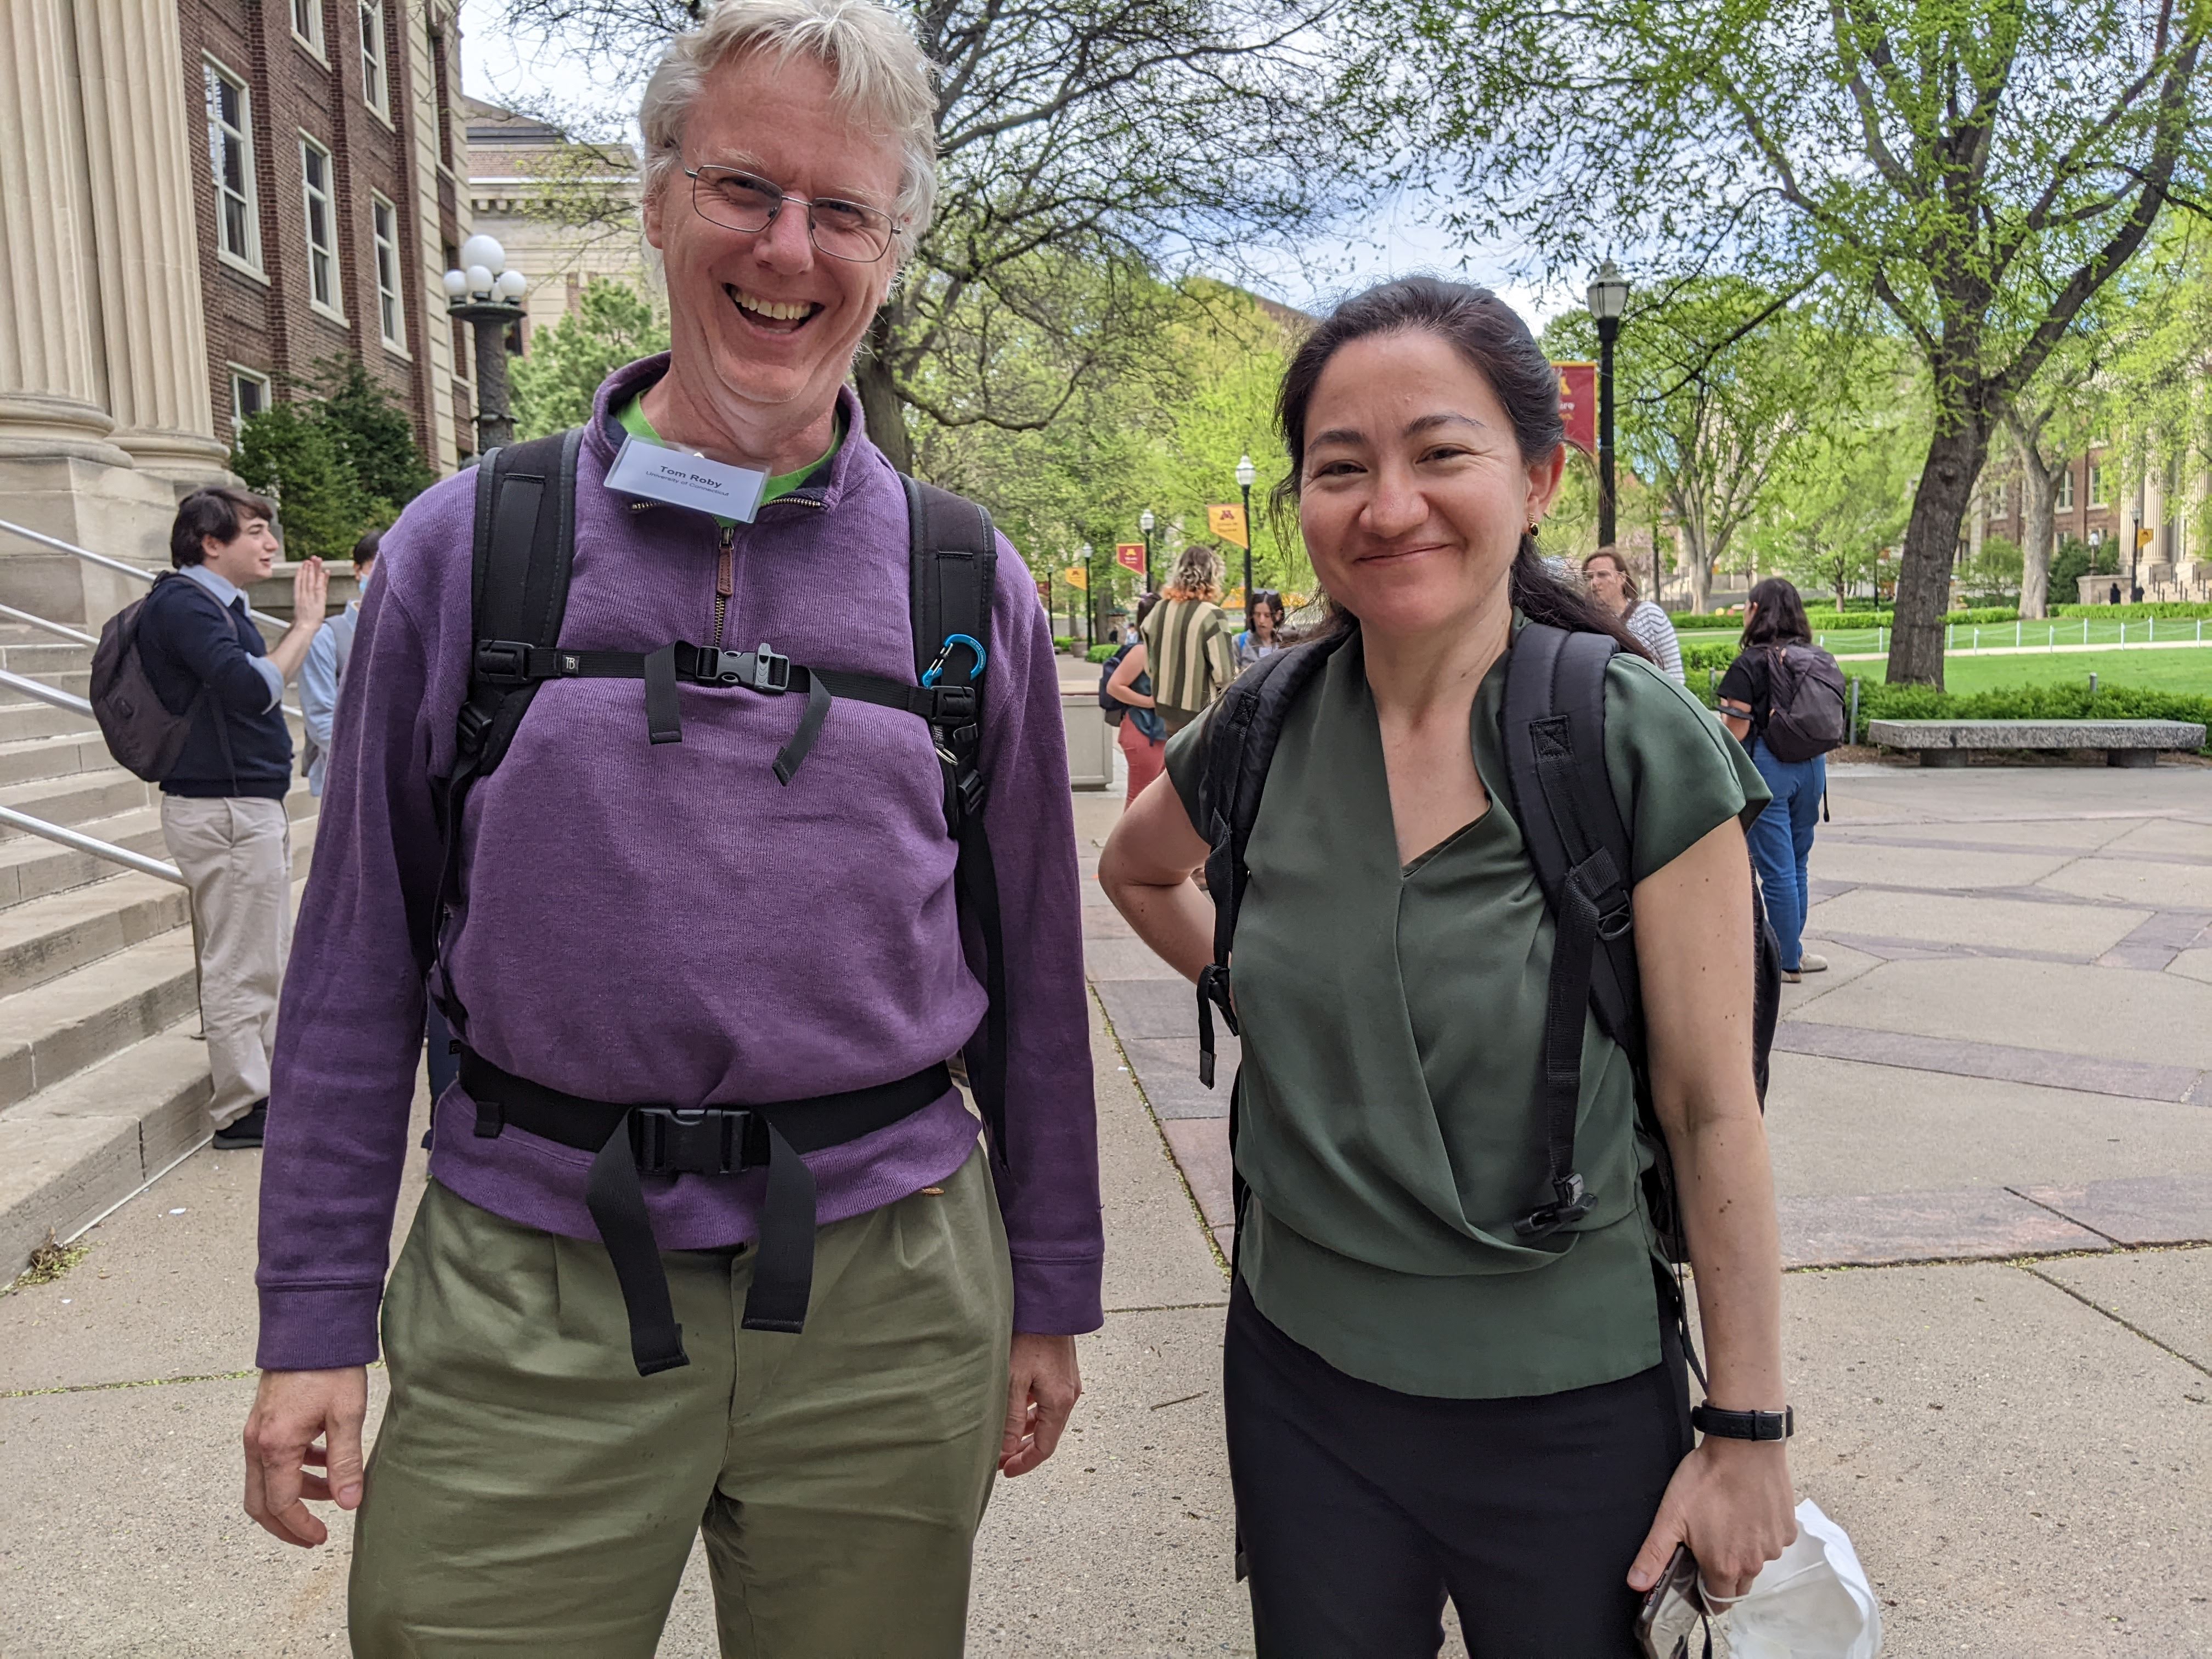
x=714 y=774
x=1782 y=699
x=223 y=759
x=1481 y=911
x=1126 y=691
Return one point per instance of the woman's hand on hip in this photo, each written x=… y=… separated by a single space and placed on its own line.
x=1730 y=1501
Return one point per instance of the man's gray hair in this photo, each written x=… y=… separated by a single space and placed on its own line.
x=881 y=77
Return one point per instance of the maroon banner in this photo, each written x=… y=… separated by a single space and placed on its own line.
x=1578 y=404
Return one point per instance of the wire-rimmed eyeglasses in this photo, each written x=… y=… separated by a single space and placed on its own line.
x=738 y=200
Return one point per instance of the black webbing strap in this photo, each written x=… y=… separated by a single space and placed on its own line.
x=628 y=1141
x=953 y=555
x=664 y=718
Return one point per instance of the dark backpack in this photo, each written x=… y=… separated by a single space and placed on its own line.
x=143 y=733
x=1804 y=702
x=523 y=550
x=1114 y=707
x=1563 y=801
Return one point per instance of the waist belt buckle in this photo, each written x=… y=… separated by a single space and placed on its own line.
x=710 y=1141
x=771 y=673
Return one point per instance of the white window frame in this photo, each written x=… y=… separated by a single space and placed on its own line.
x=242 y=375
x=2097 y=482
x=325 y=253
x=375 y=71
x=220 y=133
x=2063 y=500
x=311 y=13
x=390 y=286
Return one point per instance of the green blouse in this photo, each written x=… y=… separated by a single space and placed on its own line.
x=1390 y=1122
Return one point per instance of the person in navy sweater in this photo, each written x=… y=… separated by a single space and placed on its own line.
x=222 y=804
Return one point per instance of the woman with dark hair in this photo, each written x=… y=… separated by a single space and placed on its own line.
x=1613 y=585
x=1142 y=733
x=1782 y=840
x=1422 y=1402
x=1261 y=640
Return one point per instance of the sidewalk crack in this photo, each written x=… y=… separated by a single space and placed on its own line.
x=2125 y=1324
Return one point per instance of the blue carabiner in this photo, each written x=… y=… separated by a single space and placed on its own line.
x=937 y=668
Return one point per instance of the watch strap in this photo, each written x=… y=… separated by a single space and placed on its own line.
x=1744 y=1425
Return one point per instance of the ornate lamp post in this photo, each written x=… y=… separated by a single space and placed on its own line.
x=1089 y=597
x=488 y=297
x=1144 y=522
x=1246 y=472
x=1609 y=298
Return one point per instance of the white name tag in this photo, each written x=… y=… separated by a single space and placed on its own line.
x=645 y=468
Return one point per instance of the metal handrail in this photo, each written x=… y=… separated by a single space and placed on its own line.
x=67 y=633
x=98 y=848
x=46 y=694
x=107 y=563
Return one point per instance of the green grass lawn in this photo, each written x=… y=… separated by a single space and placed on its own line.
x=2149 y=671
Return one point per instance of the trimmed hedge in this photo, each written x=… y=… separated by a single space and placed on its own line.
x=1879 y=702
x=1825 y=621
x=2136 y=612
x=1100 y=653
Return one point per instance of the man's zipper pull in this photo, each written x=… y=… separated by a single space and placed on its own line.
x=724 y=579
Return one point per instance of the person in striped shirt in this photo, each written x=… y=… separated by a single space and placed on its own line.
x=1613 y=585
x=1189 y=640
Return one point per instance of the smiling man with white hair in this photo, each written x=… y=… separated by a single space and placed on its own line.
x=712 y=1244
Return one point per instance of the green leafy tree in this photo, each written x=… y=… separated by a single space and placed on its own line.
x=373 y=435
x=1827 y=518
x=554 y=382
x=294 y=457
x=1981 y=168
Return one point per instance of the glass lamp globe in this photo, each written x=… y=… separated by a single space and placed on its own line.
x=1608 y=292
x=457 y=283
x=511 y=285
x=480 y=281
x=485 y=251
x=1145 y=521
x=1246 y=472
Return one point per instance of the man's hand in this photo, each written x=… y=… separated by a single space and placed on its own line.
x=311 y=592
x=292 y=1411
x=1041 y=1391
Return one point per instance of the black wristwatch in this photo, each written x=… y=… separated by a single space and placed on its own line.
x=1744 y=1425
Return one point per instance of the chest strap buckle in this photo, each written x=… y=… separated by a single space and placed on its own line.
x=711 y=1140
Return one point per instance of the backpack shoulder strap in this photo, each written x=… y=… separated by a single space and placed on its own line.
x=1563 y=801
x=1241 y=730
x=953 y=559
x=524 y=546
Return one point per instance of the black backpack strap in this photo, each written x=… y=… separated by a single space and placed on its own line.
x=953 y=555
x=521 y=554
x=1554 y=741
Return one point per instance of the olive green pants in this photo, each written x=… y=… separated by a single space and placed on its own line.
x=530 y=1493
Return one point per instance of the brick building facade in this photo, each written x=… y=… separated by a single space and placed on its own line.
x=327 y=201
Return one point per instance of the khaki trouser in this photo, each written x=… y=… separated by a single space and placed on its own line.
x=235 y=853
x=530 y=1493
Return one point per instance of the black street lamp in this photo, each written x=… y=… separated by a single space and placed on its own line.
x=1090 y=599
x=1245 y=473
x=1144 y=522
x=488 y=297
x=1609 y=298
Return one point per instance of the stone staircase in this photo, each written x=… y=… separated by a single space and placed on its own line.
x=103 y=1078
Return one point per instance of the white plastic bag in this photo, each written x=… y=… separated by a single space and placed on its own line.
x=1812 y=1602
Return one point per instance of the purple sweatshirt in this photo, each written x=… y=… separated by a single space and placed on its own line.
x=667 y=922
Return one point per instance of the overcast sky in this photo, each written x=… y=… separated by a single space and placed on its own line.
x=500 y=68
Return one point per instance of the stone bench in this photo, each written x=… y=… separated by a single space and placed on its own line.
x=2125 y=742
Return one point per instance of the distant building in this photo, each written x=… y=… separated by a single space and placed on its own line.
x=206 y=198
x=565 y=212
x=2096 y=504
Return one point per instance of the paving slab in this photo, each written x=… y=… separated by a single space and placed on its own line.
x=2163 y=1209
x=56 y=1173
x=1121 y=1544
x=1926 y=866
x=1839 y=1127
x=1955 y=1057
x=2187 y=841
x=125 y=1537
x=1168 y=1071
x=2081 y=931
x=2099 y=1012
x=2020 y=1475
x=1125 y=959
x=1844 y=965
x=2193 y=964
x=1154 y=1010
x=2165 y=1294
x=2137 y=881
x=1201 y=1148
x=1872 y=1228
x=2051 y=834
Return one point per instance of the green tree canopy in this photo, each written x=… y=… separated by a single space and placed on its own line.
x=337 y=464
x=554 y=382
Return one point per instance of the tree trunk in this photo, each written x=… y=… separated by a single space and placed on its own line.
x=880 y=406
x=1931 y=545
x=2038 y=496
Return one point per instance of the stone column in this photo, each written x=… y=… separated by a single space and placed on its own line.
x=138 y=134
x=52 y=399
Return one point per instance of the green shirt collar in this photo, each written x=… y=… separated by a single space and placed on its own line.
x=631 y=417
